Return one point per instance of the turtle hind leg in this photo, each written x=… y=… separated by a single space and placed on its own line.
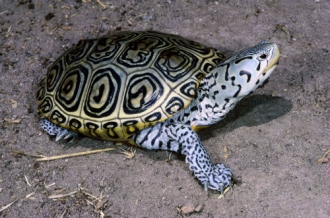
x=182 y=139
x=59 y=132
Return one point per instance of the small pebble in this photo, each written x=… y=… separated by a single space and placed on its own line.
x=187 y=209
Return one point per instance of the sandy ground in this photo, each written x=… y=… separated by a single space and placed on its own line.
x=271 y=141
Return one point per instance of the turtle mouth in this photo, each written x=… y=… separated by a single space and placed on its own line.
x=264 y=77
x=272 y=63
x=274 y=58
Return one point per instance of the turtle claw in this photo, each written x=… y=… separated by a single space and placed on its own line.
x=206 y=186
x=219 y=178
x=65 y=134
x=221 y=190
x=70 y=135
x=62 y=133
x=231 y=186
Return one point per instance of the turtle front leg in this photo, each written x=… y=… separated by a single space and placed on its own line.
x=182 y=139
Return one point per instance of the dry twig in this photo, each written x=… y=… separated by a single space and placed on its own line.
x=74 y=154
x=129 y=153
x=103 y=5
x=286 y=31
x=324 y=158
x=7 y=206
x=62 y=195
x=27 y=181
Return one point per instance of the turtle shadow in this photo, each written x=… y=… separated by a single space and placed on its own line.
x=251 y=111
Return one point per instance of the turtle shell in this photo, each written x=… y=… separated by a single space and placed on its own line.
x=115 y=86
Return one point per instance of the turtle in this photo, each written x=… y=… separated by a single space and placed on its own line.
x=151 y=89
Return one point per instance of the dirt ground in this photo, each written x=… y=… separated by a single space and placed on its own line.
x=272 y=140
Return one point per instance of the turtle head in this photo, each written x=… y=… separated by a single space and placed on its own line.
x=249 y=68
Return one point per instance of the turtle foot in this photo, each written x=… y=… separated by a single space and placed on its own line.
x=59 y=132
x=219 y=178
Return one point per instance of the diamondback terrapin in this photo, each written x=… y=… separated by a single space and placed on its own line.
x=153 y=90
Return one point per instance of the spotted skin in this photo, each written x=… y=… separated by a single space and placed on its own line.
x=59 y=132
x=182 y=139
x=218 y=93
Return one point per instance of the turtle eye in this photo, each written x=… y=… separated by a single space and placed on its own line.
x=263 y=57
